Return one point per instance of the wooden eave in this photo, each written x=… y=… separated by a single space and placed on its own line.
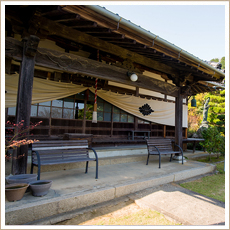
x=164 y=54
x=78 y=27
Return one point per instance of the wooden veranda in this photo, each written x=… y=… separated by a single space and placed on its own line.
x=78 y=44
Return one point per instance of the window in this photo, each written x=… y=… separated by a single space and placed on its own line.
x=73 y=108
x=140 y=121
x=121 y=116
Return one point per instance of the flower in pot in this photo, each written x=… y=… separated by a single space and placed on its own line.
x=15 y=192
x=40 y=187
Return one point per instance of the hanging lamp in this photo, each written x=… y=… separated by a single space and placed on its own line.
x=193 y=102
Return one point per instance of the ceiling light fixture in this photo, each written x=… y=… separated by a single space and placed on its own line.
x=133 y=76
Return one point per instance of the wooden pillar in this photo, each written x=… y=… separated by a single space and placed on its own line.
x=85 y=109
x=165 y=98
x=164 y=131
x=8 y=65
x=8 y=71
x=178 y=119
x=24 y=96
x=111 y=131
x=136 y=118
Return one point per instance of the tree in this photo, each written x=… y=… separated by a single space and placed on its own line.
x=215 y=59
x=222 y=62
x=216 y=113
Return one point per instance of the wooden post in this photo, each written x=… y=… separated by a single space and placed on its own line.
x=136 y=118
x=24 y=96
x=111 y=131
x=85 y=104
x=178 y=119
x=164 y=131
x=8 y=65
x=165 y=97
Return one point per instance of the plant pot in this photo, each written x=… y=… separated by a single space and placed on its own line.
x=16 y=191
x=21 y=178
x=40 y=187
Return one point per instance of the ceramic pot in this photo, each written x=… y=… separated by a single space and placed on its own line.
x=15 y=191
x=40 y=187
x=21 y=178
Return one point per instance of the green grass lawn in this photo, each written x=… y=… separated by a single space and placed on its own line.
x=213 y=159
x=212 y=186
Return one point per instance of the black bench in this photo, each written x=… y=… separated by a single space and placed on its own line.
x=161 y=146
x=61 y=152
x=132 y=132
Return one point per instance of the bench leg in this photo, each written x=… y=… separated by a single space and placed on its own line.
x=147 y=160
x=159 y=161
x=32 y=169
x=96 y=169
x=170 y=158
x=86 y=167
x=39 y=171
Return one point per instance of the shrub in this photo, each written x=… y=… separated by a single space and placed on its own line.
x=214 y=141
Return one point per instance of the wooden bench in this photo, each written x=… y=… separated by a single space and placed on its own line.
x=132 y=132
x=161 y=146
x=61 y=152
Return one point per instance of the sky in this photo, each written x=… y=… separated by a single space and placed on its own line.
x=197 y=29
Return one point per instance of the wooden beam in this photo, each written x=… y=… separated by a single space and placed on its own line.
x=77 y=36
x=95 y=30
x=75 y=64
x=66 y=18
x=83 y=25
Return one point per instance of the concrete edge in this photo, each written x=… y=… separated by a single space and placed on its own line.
x=59 y=205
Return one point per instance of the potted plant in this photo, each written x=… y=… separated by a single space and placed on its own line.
x=16 y=135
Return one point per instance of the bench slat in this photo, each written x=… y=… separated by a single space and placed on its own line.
x=53 y=162
x=59 y=147
x=60 y=151
x=73 y=157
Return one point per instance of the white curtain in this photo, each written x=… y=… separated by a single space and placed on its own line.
x=43 y=90
x=47 y=90
x=164 y=112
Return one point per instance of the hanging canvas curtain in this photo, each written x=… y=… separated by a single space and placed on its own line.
x=164 y=112
x=47 y=90
x=43 y=90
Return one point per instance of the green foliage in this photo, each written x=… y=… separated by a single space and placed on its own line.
x=216 y=113
x=215 y=59
x=214 y=141
x=223 y=62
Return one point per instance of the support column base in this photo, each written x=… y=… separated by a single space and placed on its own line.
x=178 y=159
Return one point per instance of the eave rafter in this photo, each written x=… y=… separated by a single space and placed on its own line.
x=53 y=28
